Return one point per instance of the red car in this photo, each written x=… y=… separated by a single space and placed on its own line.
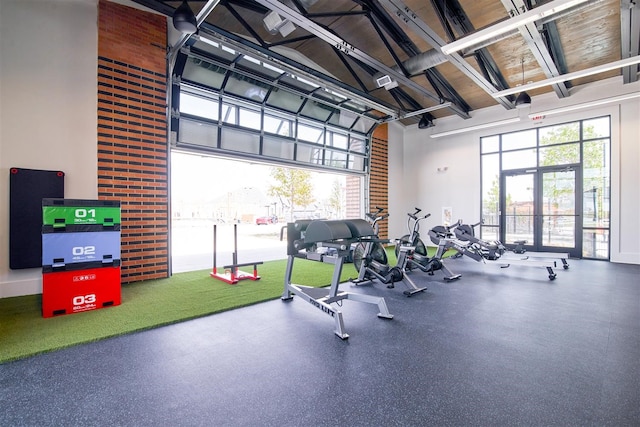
x=264 y=220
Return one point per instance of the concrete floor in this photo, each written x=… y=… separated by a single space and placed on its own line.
x=499 y=347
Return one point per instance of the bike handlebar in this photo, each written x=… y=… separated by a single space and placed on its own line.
x=414 y=215
x=375 y=216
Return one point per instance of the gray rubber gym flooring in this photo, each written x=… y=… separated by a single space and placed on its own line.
x=496 y=348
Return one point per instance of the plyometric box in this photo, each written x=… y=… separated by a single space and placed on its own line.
x=62 y=249
x=75 y=291
x=76 y=214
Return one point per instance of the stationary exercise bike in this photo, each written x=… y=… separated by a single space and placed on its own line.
x=418 y=257
x=371 y=261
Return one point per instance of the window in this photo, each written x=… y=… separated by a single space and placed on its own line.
x=310 y=133
x=277 y=125
x=582 y=145
x=199 y=106
x=250 y=118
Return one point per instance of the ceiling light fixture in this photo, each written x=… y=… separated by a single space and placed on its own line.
x=426 y=110
x=570 y=76
x=183 y=19
x=505 y=26
x=590 y=104
x=425 y=123
x=275 y=24
x=523 y=100
x=476 y=127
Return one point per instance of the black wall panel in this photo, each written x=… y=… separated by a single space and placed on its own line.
x=27 y=188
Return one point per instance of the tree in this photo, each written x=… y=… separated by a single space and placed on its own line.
x=293 y=186
x=336 y=198
x=491 y=202
x=593 y=158
x=569 y=153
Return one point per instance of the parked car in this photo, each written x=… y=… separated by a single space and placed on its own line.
x=264 y=220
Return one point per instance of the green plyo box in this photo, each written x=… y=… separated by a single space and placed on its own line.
x=59 y=213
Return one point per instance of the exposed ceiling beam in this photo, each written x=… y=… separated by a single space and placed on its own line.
x=541 y=22
x=215 y=34
x=627 y=62
x=401 y=10
x=537 y=46
x=386 y=43
x=418 y=62
x=452 y=16
x=630 y=36
x=426 y=110
x=515 y=21
x=249 y=28
x=552 y=39
x=350 y=50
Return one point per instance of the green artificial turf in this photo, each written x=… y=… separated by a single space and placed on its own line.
x=24 y=332
x=149 y=304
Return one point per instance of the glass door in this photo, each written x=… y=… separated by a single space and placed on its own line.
x=558 y=212
x=518 y=213
x=540 y=206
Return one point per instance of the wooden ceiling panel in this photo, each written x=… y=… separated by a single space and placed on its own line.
x=221 y=17
x=359 y=31
x=587 y=36
x=468 y=90
x=324 y=55
x=384 y=95
x=509 y=55
x=482 y=13
x=424 y=11
x=591 y=37
x=333 y=6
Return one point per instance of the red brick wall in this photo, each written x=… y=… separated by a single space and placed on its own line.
x=132 y=134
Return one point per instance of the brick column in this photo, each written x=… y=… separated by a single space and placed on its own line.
x=132 y=134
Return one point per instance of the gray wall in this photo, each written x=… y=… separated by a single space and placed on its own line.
x=48 y=103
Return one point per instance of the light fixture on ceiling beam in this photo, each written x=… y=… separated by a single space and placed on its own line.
x=584 y=105
x=182 y=40
x=523 y=100
x=476 y=127
x=275 y=24
x=183 y=19
x=425 y=123
x=570 y=76
x=426 y=110
x=507 y=25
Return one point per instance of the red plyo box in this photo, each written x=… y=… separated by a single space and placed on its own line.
x=74 y=291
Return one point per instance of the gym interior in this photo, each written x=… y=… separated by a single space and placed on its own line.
x=489 y=336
